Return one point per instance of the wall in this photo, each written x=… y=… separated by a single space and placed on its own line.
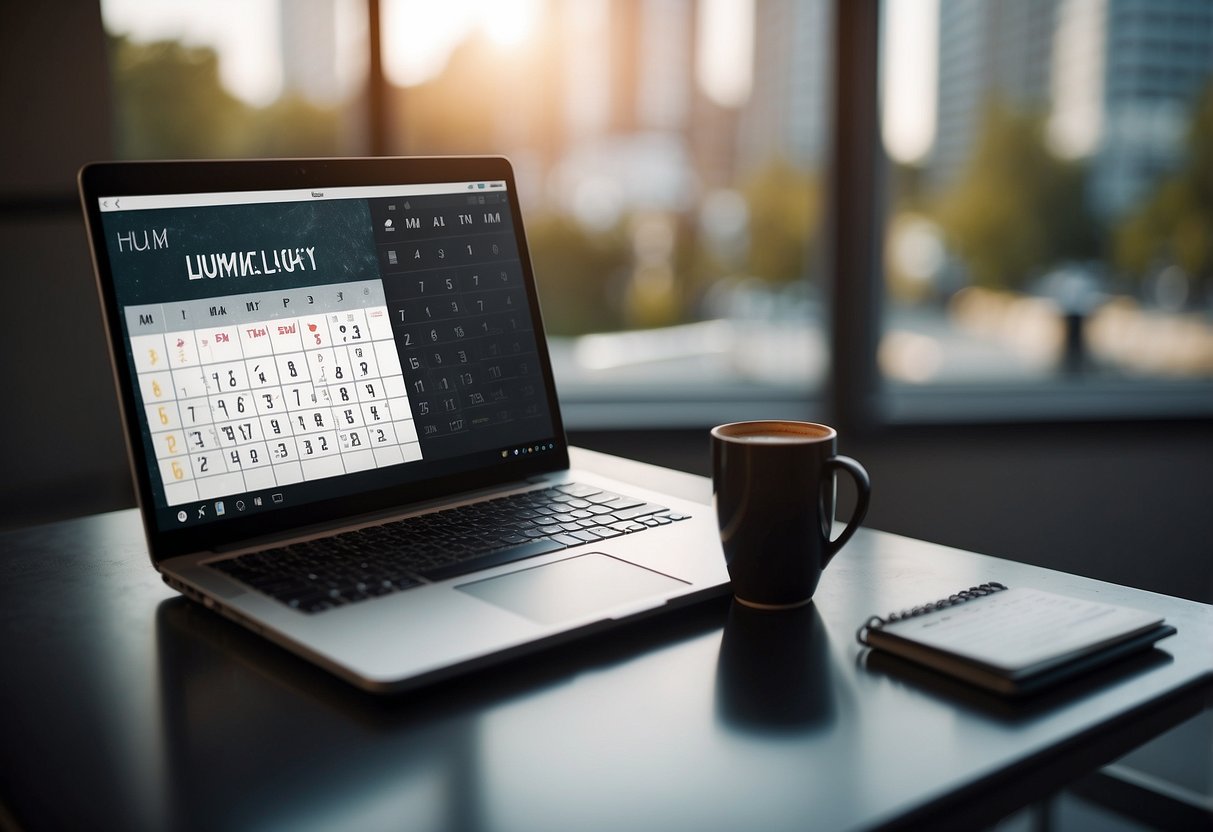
x=59 y=435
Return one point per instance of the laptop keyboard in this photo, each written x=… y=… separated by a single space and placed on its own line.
x=317 y=575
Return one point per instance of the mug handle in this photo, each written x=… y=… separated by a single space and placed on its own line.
x=863 y=486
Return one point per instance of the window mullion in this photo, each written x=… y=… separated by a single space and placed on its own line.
x=854 y=222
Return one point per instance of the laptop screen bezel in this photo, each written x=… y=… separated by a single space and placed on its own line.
x=117 y=179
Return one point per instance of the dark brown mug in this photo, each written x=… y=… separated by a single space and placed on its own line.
x=774 y=490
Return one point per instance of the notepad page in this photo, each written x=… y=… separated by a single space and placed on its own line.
x=1020 y=627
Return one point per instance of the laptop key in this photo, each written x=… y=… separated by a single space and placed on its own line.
x=638 y=511
x=624 y=503
x=577 y=489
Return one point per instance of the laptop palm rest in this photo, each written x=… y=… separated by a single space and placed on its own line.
x=571 y=589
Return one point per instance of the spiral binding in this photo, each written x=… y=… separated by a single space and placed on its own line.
x=876 y=622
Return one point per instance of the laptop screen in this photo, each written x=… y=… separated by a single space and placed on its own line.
x=296 y=347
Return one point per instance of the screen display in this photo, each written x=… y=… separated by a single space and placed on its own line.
x=294 y=346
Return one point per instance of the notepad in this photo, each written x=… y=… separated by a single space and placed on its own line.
x=1014 y=641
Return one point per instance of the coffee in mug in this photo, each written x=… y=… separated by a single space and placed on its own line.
x=774 y=491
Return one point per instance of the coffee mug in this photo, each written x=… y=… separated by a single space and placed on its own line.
x=774 y=491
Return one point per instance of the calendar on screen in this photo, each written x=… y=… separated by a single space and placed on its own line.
x=287 y=387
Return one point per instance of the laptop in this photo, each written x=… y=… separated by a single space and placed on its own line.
x=342 y=423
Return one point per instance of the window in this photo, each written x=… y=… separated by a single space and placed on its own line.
x=1046 y=248
x=1049 y=203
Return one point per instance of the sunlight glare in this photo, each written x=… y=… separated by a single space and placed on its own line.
x=909 y=75
x=420 y=35
x=510 y=23
x=247 y=68
x=724 y=65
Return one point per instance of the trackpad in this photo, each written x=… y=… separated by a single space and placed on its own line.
x=573 y=588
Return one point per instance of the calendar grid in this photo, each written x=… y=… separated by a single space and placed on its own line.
x=259 y=394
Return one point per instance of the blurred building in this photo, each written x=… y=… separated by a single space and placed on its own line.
x=1158 y=59
x=1116 y=78
x=307 y=29
x=989 y=51
x=629 y=105
x=786 y=115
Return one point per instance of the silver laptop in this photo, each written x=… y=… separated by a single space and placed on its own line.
x=341 y=419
